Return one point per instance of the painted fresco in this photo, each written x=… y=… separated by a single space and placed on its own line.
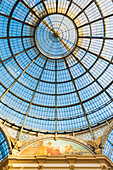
x=55 y=148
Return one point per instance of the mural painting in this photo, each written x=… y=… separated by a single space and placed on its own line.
x=54 y=148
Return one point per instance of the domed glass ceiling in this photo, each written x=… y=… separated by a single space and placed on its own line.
x=56 y=63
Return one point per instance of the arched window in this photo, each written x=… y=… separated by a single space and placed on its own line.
x=4 y=150
x=108 y=150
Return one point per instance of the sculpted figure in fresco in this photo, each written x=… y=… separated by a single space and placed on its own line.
x=49 y=150
x=96 y=145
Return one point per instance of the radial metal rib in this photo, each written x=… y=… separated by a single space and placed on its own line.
x=55 y=95
x=15 y=55
x=66 y=46
x=18 y=77
x=99 y=56
x=82 y=106
x=92 y=76
x=31 y=101
x=44 y=22
x=83 y=9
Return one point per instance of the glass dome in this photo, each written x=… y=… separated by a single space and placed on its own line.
x=56 y=64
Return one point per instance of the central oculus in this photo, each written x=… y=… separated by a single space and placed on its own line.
x=56 y=36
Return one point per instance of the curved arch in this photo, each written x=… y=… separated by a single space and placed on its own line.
x=107 y=142
x=106 y=134
x=5 y=144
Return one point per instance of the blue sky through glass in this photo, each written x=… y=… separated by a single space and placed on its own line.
x=32 y=78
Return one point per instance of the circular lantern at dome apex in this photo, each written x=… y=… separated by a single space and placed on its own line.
x=56 y=36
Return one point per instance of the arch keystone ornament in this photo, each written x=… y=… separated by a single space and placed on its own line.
x=40 y=167
x=72 y=167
